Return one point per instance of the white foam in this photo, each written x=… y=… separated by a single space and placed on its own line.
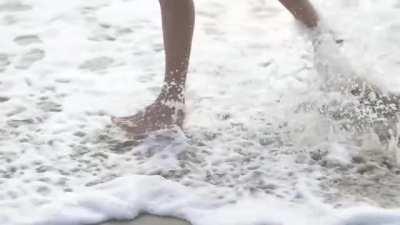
x=126 y=197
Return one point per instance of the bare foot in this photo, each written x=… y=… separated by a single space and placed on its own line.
x=157 y=116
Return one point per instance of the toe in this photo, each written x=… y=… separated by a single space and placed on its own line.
x=132 y=127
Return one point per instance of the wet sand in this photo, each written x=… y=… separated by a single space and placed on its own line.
x=147 y=219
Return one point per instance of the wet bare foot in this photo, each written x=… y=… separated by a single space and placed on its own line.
x=157 y=116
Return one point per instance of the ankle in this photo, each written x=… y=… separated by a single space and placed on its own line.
x=172 y=92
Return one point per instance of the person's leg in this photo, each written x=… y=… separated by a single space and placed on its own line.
x=168 y=108
x=303 y=11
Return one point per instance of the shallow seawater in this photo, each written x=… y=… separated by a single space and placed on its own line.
x=270 y=138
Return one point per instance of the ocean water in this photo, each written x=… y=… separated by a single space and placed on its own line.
x=270 y=138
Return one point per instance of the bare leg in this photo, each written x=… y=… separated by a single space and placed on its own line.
x=303 y=11
x=168 y=108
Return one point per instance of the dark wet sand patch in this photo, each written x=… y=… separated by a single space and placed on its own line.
x=27 y=39
x=147 y=219
x=14 y=7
